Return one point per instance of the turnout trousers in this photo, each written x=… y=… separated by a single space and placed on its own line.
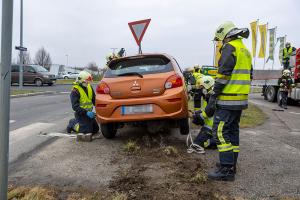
x=226 y=133
x=84 y=125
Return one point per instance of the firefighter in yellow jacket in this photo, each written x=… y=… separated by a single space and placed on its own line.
x=230 y=97
x=83 y=100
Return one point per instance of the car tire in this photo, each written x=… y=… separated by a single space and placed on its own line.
x=50 y=84
x=38 y=82
x=184 y=126
x=108 y=130
x=66 y=77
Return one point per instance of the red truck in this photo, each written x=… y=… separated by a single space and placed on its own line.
x=268 y=79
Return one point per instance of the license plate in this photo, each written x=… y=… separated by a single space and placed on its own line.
x=137 y=109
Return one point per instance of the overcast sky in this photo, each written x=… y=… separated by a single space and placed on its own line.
x=87 y=29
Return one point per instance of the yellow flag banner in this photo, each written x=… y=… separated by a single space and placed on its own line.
x=263 y=40
x=253 y=26
x=218 y=53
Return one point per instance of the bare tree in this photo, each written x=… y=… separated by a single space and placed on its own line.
x=42 y=57
x=93 y=67
x=26 y=58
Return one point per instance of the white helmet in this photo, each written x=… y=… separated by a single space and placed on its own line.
x=207 y=82
x=84 y=76
x=286 y=72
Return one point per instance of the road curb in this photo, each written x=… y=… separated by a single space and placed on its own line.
x=31 y=94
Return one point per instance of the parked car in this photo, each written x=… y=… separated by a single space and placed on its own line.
x=32 y=74
x=143 y=90
x=70 y=76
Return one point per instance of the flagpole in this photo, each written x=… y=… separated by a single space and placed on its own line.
x=255 y=42
x=265 y=47
x=214 y=57
x=275 y=38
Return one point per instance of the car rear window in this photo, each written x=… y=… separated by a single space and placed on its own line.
x=140 y=65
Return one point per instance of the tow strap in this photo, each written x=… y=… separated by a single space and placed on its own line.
x=192 y=147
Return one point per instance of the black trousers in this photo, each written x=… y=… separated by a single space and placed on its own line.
x=284 y=98
x=197 y=99
x=226 y=133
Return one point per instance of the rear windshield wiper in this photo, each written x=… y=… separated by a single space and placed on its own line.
x=131 y=74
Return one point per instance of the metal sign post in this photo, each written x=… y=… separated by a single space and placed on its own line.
x=5 y=78
x=138 y=29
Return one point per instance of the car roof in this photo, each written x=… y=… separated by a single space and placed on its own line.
x=144 y=55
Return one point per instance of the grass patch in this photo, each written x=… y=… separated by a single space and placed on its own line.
x=256 y=89
x=35 y=193
x=251 y=117
x=69 y=81
x=170 y=151
x=17 y=92
x=200 y=177
x=131 y=146
x=64 y=81
x=120 y=196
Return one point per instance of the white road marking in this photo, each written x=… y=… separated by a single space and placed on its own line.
x=295 y=113
x=28 y=131
x=58 y=135
x=65 y=92
x=12 y=121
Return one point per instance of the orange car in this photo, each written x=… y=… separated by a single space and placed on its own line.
x=143 y=90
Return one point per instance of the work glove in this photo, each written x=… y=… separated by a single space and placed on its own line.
x=90 y=114
x=211 y=106
x=198 y=118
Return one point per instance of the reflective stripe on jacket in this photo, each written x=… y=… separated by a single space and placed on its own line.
x=235 y=93
x=85 y=99
x=287 y=53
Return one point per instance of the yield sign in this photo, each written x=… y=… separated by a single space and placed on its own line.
x=138 y=29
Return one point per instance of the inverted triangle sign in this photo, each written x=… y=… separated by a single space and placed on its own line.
x=138 y=29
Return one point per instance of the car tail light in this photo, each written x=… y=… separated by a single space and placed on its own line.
x=174 y=81
x=102 y=88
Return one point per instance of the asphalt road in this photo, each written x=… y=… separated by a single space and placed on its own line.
x=55 y=88
x=31 y=116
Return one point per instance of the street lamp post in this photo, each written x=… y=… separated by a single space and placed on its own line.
x=21 y=45
x=67 y=60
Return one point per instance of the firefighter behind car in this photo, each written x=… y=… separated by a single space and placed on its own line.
x=286 y=84
x=205 y=138
x=197 y=92
x=83 y=100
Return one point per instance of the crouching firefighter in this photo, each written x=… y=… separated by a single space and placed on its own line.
x=197 y=92
x=205 y=138
x=83 y=100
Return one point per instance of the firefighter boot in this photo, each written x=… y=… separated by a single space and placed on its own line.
x=218 y=165
x=223 y=173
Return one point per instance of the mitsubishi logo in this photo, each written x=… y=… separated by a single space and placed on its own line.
x=135 y=84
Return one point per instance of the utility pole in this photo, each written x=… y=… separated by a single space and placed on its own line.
x=5 y=78
x=21 y=45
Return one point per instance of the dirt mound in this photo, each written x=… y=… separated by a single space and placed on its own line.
x=161 y=169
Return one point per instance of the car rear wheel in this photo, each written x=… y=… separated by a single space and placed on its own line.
x=184 y=126
x=50 y=84
x=38 y=82
x=108 y=130
x=66 y=77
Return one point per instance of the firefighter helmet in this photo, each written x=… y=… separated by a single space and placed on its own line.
x=207 y=82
